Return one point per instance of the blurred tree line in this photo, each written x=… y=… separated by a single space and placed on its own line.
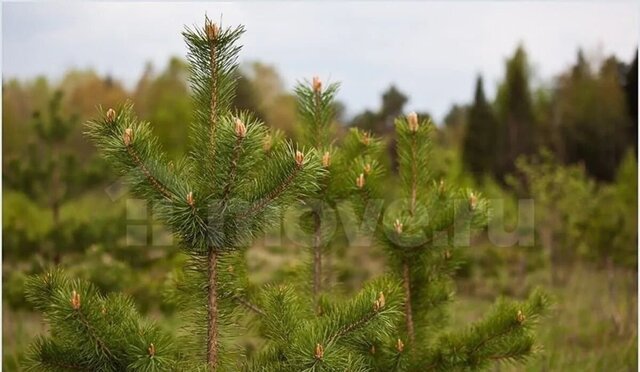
x=587 y=115
x=58 y=206
x=55 y=209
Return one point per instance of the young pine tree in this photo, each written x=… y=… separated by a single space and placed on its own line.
x=234 y=183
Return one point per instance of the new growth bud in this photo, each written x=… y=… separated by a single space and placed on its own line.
x=299 y=158
x=379 y=303
x=190 y=200
x=381 y=299
x=75 y=300
x=366 y=139
x=211 y=29
x=367 y=169
x=111 y=115
x=319 y=351
x=360 y=181
x=128 y=136
x=400 y=346
x=441 y=187
x=373 y=349
x=241 y=129
x=473 y=201
x=316 y=84
x=267 y=142
x=152 y=350
x=326 y=159
x=520 y=317
x=412 y=119
x=397 y=226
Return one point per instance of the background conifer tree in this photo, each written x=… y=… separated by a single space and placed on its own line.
x=480 y=140
x=234 y=183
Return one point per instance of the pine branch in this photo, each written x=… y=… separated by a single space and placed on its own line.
x=162 y=190
x=249 y=305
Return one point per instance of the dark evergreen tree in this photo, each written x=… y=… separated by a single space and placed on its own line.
x=480 y=141
x=515 y=113
x=592 y=118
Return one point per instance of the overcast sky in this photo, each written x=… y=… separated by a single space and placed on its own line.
x=431 y=50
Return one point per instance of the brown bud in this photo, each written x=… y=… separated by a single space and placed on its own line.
x=360 y=181
x=171 y=166
x=75 y=300
x=398 y=226
x=473 y=201
x=316 y=84
x=520 y=317
x=190 y=200
x=111 y=115
x=211 y=29
x=152 y=349
x=319 y=351
x=447 y=254
x=230 y=268
x=400 y=346
x=441 y=187
x=241 y=129
x=299 y=157
x=373 y=349
x=366 y=139
x=367 y=168
x=268 y=141
x=412 y=119
x=381 y=299
x=128 y=136
x=326 y=159
x=104 y=311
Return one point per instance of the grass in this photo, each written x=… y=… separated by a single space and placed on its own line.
x=592 y=325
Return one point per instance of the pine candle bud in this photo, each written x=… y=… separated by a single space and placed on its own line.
x=326 y=159
x=316 y=84
x=360 y=181
x=366 y=139
x=267 y=142
x=400 y=346
x=75 y=300
x=319 y=351
x=152 y=350
x=111 y=115
x=520 y=317
x=447 y=254
x=397 y=226
x=241 y=129
x=381 y=299
x=211 y=29
x=373 y=349
x=412 y=119
x=190 y=199
x=441 y=187
x=473 y=201
x=128 y=136
x=299 y=157
x=379 y=303
x=367 y=168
